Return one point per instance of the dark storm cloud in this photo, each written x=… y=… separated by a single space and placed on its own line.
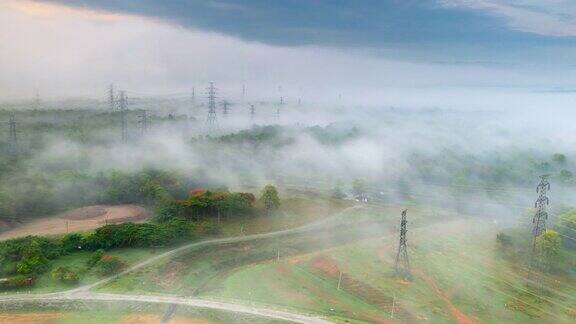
x=371 y=23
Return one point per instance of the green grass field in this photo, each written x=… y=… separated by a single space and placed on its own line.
x=458 y=276
x=342 y=269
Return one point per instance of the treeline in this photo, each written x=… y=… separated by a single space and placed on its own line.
x=24 y=259
x=278 y=136
x=204 y=204
x=39 y=194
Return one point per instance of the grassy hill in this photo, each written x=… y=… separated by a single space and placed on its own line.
x=458 y=274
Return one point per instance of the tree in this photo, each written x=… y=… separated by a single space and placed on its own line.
x=109 y=265
x=337 y=193
x=270 y=198
x=72 y=242
x=504 y=240
x=549 y=248
x=32 y=265
x=559 y=158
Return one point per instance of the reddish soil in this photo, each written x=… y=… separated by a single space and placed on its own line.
x=30 y=318
x=85 y=212
x=458 y=315
x=155 y=319
x=325 y=265
x=77 y=220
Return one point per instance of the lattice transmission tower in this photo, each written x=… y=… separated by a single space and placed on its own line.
x=37 y=100
x=402 y=264
x=123 y=106
x=541 y=215
x=12 y=137
x=144 y=121
x=252 y=112
x=211 y=120
x=280 y=104
x=111 y=97
x=225 y=108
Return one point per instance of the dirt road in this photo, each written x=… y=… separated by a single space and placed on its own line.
x=186 y=301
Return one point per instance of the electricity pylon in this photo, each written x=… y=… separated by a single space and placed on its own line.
x=541 y=215
x=123 y=105
x=402 y=264
x=144 y=120
x=12 y=137
x=280 y=104
x=211 y=120
x=252 y=112
x=111 y=97
x=225 y=108
x=37 y=101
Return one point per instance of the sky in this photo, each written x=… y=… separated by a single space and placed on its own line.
x=404 y=52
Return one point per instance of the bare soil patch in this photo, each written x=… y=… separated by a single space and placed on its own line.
x=85 y=212
x=80 y=219
x=326 y=265
x=155 y=319
x=30 y=318
x=167 y=278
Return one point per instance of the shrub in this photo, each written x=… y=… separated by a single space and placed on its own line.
x=32 y=265
x=504 y=240
x=65 y=274
x=138 y=235
x=109 y=265
x=71 y=242
x=96 y=256
x=16 y=282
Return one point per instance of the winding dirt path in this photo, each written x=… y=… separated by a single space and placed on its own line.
x=194 y=302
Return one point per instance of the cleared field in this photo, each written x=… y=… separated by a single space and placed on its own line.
x=458 y=274
x=78 y=220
